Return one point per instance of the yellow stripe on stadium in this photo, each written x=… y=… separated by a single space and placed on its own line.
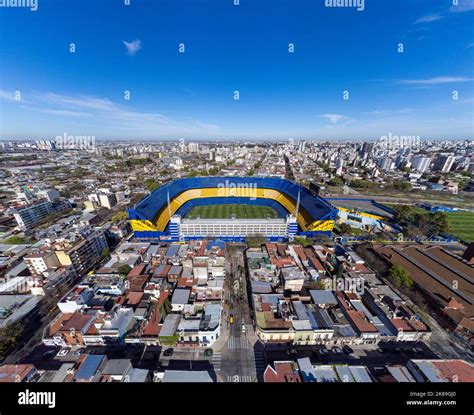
x=365 y=214
x=321 y=225
x=304 y=219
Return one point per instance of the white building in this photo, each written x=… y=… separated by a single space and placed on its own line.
x=444 y=163
x=421 y=163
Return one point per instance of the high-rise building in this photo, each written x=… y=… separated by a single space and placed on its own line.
x=421 y=163
x=84 y=254
x=385 y=163
x=108 y=200
x=30 y=215
x=443 y=163
x=38 y=262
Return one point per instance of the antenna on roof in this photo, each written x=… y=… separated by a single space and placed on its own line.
x=169 y=205
x=297 y=203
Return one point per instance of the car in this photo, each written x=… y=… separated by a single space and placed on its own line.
x=62 y=353
x=231 y=319
x=323 y=352
x=336 y=350
x=208 y=352
x=168 y=352
x=347 y=350
x=244 y=329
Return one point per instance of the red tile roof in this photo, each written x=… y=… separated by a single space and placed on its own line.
x=15 y=373
x=77 y=322
x=283 y=372
x=137 y=270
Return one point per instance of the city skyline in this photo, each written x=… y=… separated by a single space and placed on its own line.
x=245 y=48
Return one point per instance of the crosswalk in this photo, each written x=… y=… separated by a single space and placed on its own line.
x=239 y=379
x=216 y=361
x=238 y=343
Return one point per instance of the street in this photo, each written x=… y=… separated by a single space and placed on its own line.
x=235 y=359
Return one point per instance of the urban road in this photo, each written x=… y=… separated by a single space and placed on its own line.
x=236 y=359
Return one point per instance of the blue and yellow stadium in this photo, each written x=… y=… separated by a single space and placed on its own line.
x=154 y=217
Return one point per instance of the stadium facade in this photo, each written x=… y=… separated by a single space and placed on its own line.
x=162 y=214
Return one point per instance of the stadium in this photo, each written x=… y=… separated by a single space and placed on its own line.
x=231 y=208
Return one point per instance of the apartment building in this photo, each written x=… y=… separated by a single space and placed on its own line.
x=84 y=254
x=27 y=217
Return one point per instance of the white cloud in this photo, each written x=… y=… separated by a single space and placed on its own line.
x=110 y=113
x=439 y=80
x=334 y=118
x=389 y=112
x=133 y=47
x=429 y=18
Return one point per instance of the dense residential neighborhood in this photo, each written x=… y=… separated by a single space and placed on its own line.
x=91 y=291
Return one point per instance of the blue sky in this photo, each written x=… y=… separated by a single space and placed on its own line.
x=282 y=95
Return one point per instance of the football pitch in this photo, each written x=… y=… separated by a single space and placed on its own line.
x=228 y=211
x=461 y=224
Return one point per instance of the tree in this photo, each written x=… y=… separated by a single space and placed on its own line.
x=439 y=223
x=152 y=184
x=15 y=240
x=124 y=269
x=255 y=241
x=9 y=336
x=402 y=185
x=362 y=184
x=402 y=213
x=400 y=277
x=306 y=242
x=165 y=308
x=344 y=228
x=119 y=217
x=336 y=181
x=322 y=239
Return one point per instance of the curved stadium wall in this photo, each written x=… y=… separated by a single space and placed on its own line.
x=158 y=215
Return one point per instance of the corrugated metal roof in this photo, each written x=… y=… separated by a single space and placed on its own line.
x=89 y=367
x=323 y=297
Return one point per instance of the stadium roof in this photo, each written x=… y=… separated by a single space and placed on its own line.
x=148 y=208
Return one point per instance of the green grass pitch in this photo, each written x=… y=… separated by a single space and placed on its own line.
x=226 y=212
x=462 y=225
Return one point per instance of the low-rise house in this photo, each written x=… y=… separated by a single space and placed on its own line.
x=90 y=367
x=446 y=370
x=116 y=370
x=18 y=373
x=76 y=300
x=281 y=372
x=180 y=298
